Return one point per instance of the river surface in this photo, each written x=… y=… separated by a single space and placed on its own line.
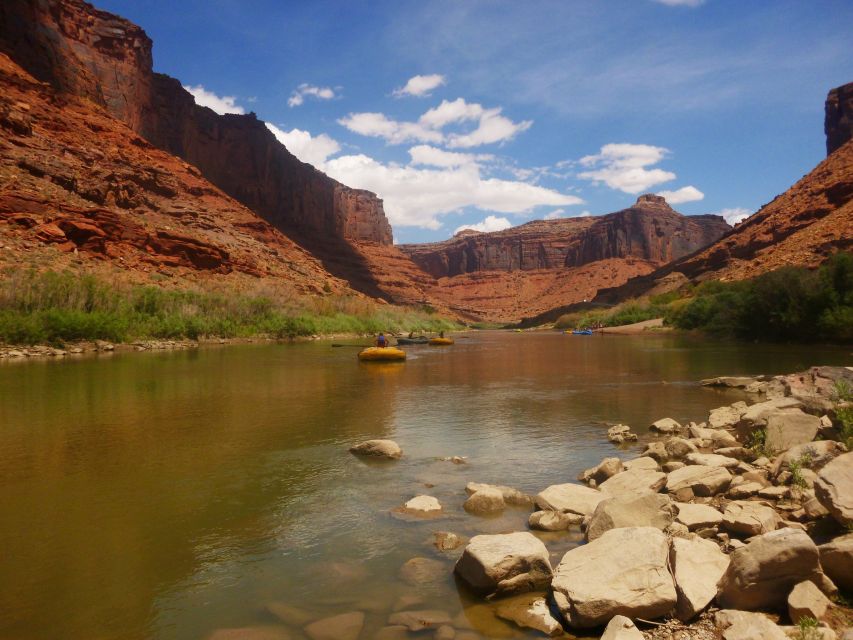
x=166 y=495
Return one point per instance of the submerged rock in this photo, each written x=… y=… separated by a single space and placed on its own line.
x=346 y=626
x=420 y=620
x=505 y=564
x=554 y=520
x=387 y=449
x=447 y=541
x=486 y=501
x=529 y=611
x=422 y=571
x=263 y=632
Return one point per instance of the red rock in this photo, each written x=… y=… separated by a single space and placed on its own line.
x=838 y=122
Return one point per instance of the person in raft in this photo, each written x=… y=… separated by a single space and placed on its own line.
x=381 y=341
x=441 y=334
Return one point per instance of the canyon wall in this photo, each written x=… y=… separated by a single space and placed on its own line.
x=838 y=122
x=650 y=230
x=98 y=56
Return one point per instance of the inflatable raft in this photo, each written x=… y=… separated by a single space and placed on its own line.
x=381 y=354
x=582 y=332
x=441 y=341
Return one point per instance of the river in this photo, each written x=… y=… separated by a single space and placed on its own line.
x=168 y=494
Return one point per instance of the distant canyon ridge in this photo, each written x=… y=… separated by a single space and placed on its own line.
x=106 y=165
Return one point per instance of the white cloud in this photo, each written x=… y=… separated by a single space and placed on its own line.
x=685 y=194
x=491 y=125
x=378 y=125
x=584 y=214
x=424 y=154
x=420 y=86
x=220 y=104
x=298 y=96
x=311 y=149
x=490 y=223
x=681 y=3
x=555 y=214
x=734 y=215
x=623 y=167
x=419 y=197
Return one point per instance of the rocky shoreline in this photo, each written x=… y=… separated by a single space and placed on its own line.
x=736 y=528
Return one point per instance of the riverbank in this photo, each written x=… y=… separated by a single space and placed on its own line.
x=737 y=527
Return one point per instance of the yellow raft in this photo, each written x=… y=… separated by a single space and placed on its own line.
x=382 y=354
x=441 y=341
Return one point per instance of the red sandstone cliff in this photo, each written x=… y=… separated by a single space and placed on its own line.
x=101 y=57
x=838 y=122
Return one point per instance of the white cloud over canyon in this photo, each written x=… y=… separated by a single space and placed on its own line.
x=297 y=98
x=734 y=215
x=681 y=3
x=311 y=149
x=420 y=86
x=220 y=104
x=625 y=167
x=489 y=223
x=684 y=194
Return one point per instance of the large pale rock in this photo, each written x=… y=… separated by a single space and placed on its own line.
x=346 y=626
x=750 y=518
x=423 y=505
x=620 y=433
x=727 y=416
x=643 y=462
x=631 y=510
x=621 y=628
x=790 y=428
x=572 y=498
x=624 y=572
x=378 y=449
x=486 y=501
x=712 y=460
x=744 y=625
x=702 y=479
x=678 y=448
x=633 y=482
x=807 y=601
x=756 y=415
x=818 y=453
x=657 y=451
x=554 y=520
x=510 y=495
x=697 y=516
x=529 y=611
x=447 y=540
x=834 y=488
x=697 y=567
x=744 y=490
x=505 y=564
x=762 y=573
x=738 y=453
x=666 y=425
x=420 y=620
x=836 y=558
x=607 y=468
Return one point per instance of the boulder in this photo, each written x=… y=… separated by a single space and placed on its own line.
x=678 y=448
x=631 y=510
x=774 y=493
x=657 y=451
x=624 y=572
x=486 y=501
x=444 y=632
x=345 y=626
x=834 y=488
x=666 y=425
x=621 y=628
x=421 y=571
x=672 y=465
x=738 y=453
x=807 y=601
x=697 y=516
x=505 y=564
x=261 y=632
x=572 y=498
x=763 y=572
x=836 y=558
x=818 y=453
x=419 y=620
x=744 y=490
x=608 y=468
x=701 y=479
x=756 y=415
x=529 y=611
x=790 y=428
x=422 y=505
x=712 y=460
x=643 y=462
x=697 y=566
x=621 y=433
x=727 y=416
x=510 y=495
x=447 y=541
x=378 y=449
x=749 y=518
x=732 y=382
x=743 y=625
x=633 y=482
x=554 y=520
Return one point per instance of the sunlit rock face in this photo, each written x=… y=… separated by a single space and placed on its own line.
x=838 y=123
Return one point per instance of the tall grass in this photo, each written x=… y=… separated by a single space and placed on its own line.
x=628 y=312
x=55 y=308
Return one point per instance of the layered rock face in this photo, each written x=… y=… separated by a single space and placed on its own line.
x=92 y=54
x=838 y=124
x=650 y=230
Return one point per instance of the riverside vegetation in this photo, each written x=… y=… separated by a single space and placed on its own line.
x=788 y=304
x=55 y=308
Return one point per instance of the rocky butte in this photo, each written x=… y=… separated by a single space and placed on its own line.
x=504 y=274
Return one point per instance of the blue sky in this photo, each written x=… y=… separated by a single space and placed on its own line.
x=522 y=110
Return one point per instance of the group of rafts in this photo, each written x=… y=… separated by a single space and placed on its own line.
x=389 y=353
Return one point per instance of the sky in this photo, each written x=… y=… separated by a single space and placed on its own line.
x=486 y=114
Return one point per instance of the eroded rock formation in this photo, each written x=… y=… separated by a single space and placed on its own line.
x=838 y=123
